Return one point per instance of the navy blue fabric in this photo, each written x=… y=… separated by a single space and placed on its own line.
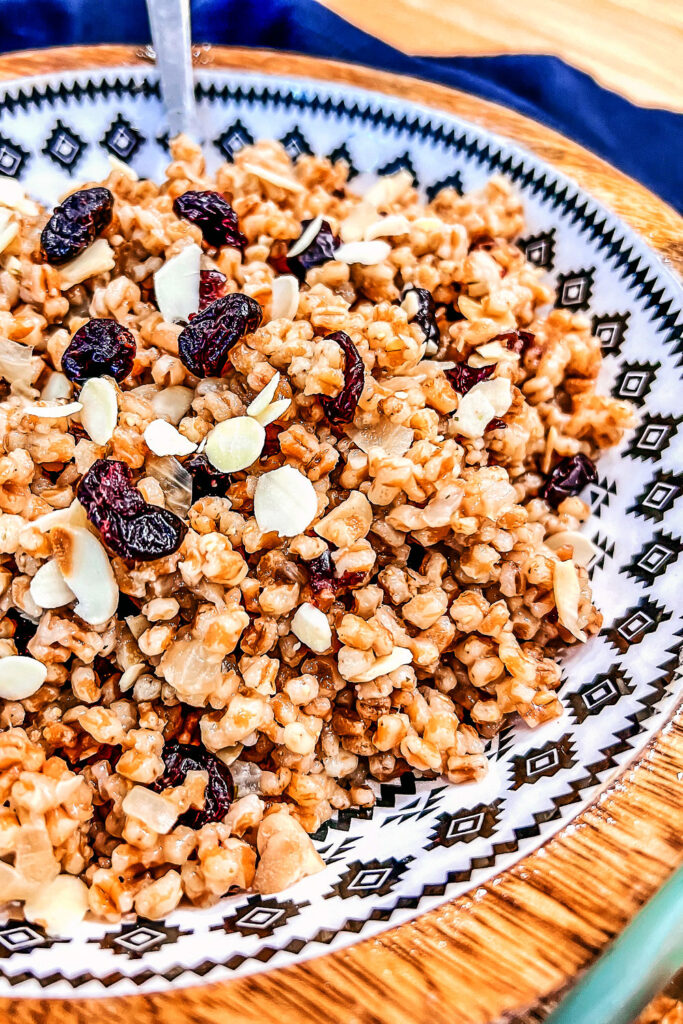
x=647 y=144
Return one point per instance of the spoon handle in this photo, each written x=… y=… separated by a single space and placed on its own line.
x=170 y=24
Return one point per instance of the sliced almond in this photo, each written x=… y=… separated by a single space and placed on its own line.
x=388 y=189
x=52 y=410
x=58 y=906
x=85 y=566
x=57 y=386
x=164 y=439
x=481 y=404
x=307 y=237
x=98 y=258
x=392 y=438
x=9 y=229
x=264 y=397
x=310 y=625
x=368 y=254
x=353 y=227
x=48 y=587
x=20 y=677
x=130 y=677
x=567 y=592
x=285 y=501
x=491 y=352
x=73 y=515
x=274 y=411
x=470 y=309
x=584 y=550
x=176 y=284
x=13 y=196
x=235 y=444
x=284 y=181
x=383 y=666
x=410 y=303
x=100 y=409
x=118 y=165
x=387 y=227
x=284 y=300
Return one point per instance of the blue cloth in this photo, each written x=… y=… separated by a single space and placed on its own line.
x=647 y=144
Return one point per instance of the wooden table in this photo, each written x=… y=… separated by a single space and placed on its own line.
x=526 y=934
x=634 y=47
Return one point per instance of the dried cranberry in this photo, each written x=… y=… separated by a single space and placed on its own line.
x=76 y=223
x=425 y=312
x=495 y=424
x=568 y=478
x=98 y=348
x=322 y=579
x=130 y=526
x=204 y=345
x=24 y=629
x=181 y=758
x=211 y=287
x=213 y=215
x=452 y=313
x=462 y=377
x=517 y=341
x=206 y=480
x=320 y=249
x=342 y=408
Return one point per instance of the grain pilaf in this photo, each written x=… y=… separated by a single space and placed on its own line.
x=289 y=505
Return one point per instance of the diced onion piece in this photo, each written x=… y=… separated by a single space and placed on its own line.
x=567 y=592
x=388 y=189
x=273 y=178
x=285 y=501
x=57 y=386
x=235 y=444
x=20 y=677
x=392 y=438
x=96 y=259
x=310 y=232
x=584 y=550
x=386 y=227
x=13 y=196
x=368 y=254
x=52 y=411
x=264 y=397
x=273 y=411
x=310 y=625
x=164 y=439
x=48 y=587
x=353 y=227
x=100 y=409
x=148 y=806
x=176 y=284
x=58 y=907
x=284 y=300
x=387 y=663
x=85 y=566
x=485 y=401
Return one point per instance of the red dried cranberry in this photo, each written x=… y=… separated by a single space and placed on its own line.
x=129 y=526
x=517 y=341
x=322 y=579
x=425 y=314
x=76 y=223
x=204 y=345
x=206 y=479
x=495 y=424
x=568 y=478
x=320 y=249
x=462 y=377
x=181 y=758
x=98 y=348
x=342 y=408
x=213 y=215
x=211 y=287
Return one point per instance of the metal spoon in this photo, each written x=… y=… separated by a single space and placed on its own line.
x=170 y=24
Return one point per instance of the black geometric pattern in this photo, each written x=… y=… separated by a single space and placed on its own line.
x=372 y=878
x=20 y=937
x=122 y=139
x=466 y=826
x=654 y=558
x=453 y=181
x=13 y=158
x=632 y=627
x=543 y=762
x=652 y=437
x=601 y=692
x=296 y=144
x=539 y=249
x=611 y=331
x=658 y=497
x=399 y=163
x=64 y=146
x=574 y=289
x=343 y=153
x=134 y=941
x=235 y=137
x=634 y=382
x=261 y=915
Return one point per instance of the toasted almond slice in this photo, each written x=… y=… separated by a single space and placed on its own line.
x=20 y=677
x=481 y=404
x=368 y=254
x=470 y=309
x=285 y=501
x=307 y=237
x=100 y=409
x=176 y=284
x=393 y=439
x=235 y=444
x=118 y=165
x=431 y=224
x=274 y=411
x=52 y=410
x=13 y=196
x=584 y=550
x=84 y=564
x=491 y=352
x=48 y=587
x=164 y=439
x=353 y=227
x=58 y=906
x=273 y=178
x=410 y=303
x=57 y=386
x=386 y=227
x=73 y=515
x=264 y=397
x=284 y=300
x=386 y=664
x=388 y=189
x=8 y=232
x=130 y=677
x=567 y=592
x=310 y=625
x=498 y=392
x=96 y=259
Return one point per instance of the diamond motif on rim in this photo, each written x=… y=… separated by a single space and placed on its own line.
x=261 y=916
x=235 y=137
x=21 y=938
x=574 y=289
x=543 y=762
x=64 y=146
x=466 y=825
x=13 y=158
x=539 y=249
x=610 y=331
x=122 y=139
x=372 y=878
x=603 y=691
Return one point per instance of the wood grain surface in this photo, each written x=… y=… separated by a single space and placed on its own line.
x=524 y=936
x=634 y=47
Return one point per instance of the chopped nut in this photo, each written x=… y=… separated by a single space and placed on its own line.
x=485 y=401
x=348 y=522
x=287 y=854
x=286 y=182
x=264 y=397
